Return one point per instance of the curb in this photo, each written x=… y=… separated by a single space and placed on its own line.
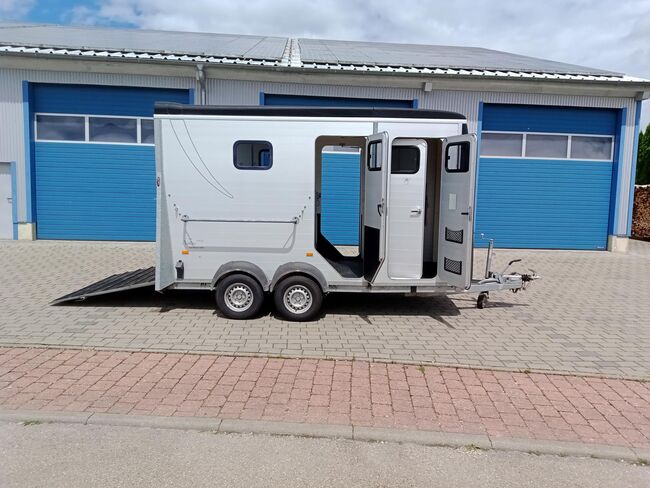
x=326 y=431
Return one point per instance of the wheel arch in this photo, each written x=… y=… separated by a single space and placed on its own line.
x=244 y=267
x=302 y=269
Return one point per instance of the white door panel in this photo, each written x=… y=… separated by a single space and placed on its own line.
x=406 y=209
x=455 y=240
x=374 y=212
x=6 y=219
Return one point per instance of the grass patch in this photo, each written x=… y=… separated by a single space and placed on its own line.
x=473 y=447
x=421 y=369
x=27 y=423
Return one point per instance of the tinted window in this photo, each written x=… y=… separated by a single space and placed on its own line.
x=501 y=144
x=60 y=128
x=105 y=129
x=374 y=156
x=253 y=154
x=146 y=131
x=405 y=160
x=546 y=146
x=457 y=157
x=590 y=147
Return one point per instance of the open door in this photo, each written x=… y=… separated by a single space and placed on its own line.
x=374 y=204
x=406 y=208
x=456 y=237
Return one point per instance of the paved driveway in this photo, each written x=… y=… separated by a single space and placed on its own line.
x=590 y=314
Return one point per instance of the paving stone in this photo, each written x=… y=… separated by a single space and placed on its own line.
x=589 y=314
x=363 y=396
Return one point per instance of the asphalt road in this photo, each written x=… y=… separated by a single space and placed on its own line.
x=66 y=455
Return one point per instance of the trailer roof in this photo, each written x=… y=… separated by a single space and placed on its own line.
x=275 y=111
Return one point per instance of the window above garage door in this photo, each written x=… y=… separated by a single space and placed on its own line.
x=547 y=146
x=93 y=129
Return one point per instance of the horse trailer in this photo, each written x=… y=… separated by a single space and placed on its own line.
x=239 y=205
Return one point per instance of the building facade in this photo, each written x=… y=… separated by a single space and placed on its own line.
x=557 y=142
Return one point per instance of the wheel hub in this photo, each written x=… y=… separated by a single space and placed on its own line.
x=238 y=297
x=298 y=299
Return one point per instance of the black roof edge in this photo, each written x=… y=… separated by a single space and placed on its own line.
x=163 y=108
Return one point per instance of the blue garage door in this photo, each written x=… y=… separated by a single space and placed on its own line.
x=340 y=184
x=94 y=160
x=545 y=176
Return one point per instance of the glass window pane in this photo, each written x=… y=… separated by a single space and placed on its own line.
x=105 y=129
x=590 y=147
x=146 y=131
x=546 y=146
x=405 y=160
x=374 y=156
x=60 y=128
x=457 y=157
x=506 y=145
x=253 y=155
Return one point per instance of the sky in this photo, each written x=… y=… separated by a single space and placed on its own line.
x=608 y=34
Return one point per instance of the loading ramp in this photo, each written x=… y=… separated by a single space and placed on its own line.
x=140 y=278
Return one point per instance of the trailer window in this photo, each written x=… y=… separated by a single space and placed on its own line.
x=374 y=156
x=253 y=155
x=457 y=157
x=405 y=160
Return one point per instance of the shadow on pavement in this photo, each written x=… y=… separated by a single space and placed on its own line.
x=363 y=305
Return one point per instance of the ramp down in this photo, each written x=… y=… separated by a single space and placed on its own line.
x=130 y=280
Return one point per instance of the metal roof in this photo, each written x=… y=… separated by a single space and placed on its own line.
x=421 y=56
x=313 y=54
x=143 y=41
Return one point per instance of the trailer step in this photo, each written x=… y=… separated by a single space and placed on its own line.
x=130 y=280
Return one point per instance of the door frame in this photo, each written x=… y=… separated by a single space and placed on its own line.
x=13 y=197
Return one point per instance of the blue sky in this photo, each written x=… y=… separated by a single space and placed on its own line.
x=609 y=34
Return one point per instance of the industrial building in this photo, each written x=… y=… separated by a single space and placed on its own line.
x=557 y=142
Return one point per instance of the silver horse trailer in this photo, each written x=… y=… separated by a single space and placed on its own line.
x=240 y=200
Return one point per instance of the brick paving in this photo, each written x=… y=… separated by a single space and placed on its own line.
x=588 y=315
x=359 y=393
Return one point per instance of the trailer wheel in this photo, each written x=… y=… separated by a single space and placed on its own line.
x=298 y=298
x=239 y=296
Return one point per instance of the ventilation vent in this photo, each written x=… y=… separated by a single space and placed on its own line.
x=453 y=266
x=454 y=235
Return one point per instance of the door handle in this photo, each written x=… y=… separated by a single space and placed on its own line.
x=468 y=213
x=10 y=200
x=416 y=210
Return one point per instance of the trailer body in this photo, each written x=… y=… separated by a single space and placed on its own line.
x=239 y=193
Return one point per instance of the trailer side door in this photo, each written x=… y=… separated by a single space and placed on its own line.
x=374 y=204
x=457 y=188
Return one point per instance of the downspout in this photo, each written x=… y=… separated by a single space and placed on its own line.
x=200 y=77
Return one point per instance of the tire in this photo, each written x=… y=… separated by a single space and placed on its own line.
x=239 y=296
x=298 y=298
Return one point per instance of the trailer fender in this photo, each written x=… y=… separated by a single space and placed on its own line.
x=306 y=269
x=241 y=267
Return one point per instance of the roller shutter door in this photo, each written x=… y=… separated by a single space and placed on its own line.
x=94 y=161
x=541 y=198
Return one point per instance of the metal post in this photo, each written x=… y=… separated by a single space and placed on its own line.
x=488 y=261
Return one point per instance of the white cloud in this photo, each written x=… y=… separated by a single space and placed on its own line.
x=599 y=33
x=15 y=9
